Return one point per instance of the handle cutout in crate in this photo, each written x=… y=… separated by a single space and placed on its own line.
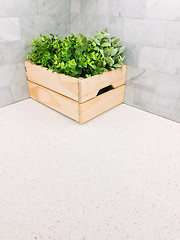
x=105 y=89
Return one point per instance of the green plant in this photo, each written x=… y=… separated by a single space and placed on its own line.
x=77 y=56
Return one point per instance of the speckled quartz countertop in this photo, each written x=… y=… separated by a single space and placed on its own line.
x=115 y=178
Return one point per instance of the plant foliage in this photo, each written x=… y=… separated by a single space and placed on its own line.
x=77 y=56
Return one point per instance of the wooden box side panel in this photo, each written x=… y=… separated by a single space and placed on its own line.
x=89 y=87
x=65 y=85
x=54 y=100
x=101 y=103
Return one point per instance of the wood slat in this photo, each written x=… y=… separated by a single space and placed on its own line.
x=65 y=85
x=101 y=103
x=89 y=87
x=54 y=100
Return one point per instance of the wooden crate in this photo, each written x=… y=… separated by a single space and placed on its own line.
x=78 y=98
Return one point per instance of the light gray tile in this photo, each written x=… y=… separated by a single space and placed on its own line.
x=20 y=75
x=10 y=74
x=95 y=7
x=116 y=26
x=76 y=25
x=156 y=104
x=168 y=86
x=61 y=7
x=163 y=9
x=19 y=91
x=17 y=8
x=129 y=95
x=100 y=23
x=146 y=32
x=164 y=101
x=16 y=80
x=88 y=7
x=143 y=79
x=9 y=29
x=127 y=8
x=7 y=74
x=5 y=96
x=173 y=35
x=172 y=62
x=133 y=73
x=160 y=59
x=62 y=24
x=75 y=6
x=14 y=51
x=144 y=100
x=177 y=110
x=92 y=23
x=153 y=58
x=32 y=26
x=2 y=62
x=132 y=53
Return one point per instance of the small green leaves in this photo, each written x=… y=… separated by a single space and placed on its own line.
x=117 y=65
x=121 y=49
x=105 y=44
x=77 y=56
x=109 y=61
x=115 y=41
x=114 y=51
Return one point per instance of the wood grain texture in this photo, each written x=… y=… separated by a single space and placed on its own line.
x=79 y=89
x=101 y=103
x=89 y=87
x=54 y=100
x=75 y=98
x=65 y=85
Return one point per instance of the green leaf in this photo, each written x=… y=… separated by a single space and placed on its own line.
x=114 y=51
x=88 y=75
x=117 y=65
x=89 y=36
x=96 y=41
x=107 y=52
x=80 y=34
x=92 y=65
x=115 y=41
x=109 y=60
x=121 y=50
x=106 y=44
x=102 y=52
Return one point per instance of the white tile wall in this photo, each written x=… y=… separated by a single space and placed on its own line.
x=75 y=6
x=153 y=58
x=115 y=27
x=172 y=39
x=7 y=75
x=144 y=79
x=9 y=29
x=60 y=7
x=145 y=32
x=2 y=62
x=168 y=86
x=92 y=23
x=95 y=7
x=127 y=8
x=163 y=9
x=16 y=8
x=20 y=21
x=14 y=51
x=19 y=91
x=6 y=97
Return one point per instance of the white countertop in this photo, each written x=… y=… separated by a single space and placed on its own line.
x=116 y=177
